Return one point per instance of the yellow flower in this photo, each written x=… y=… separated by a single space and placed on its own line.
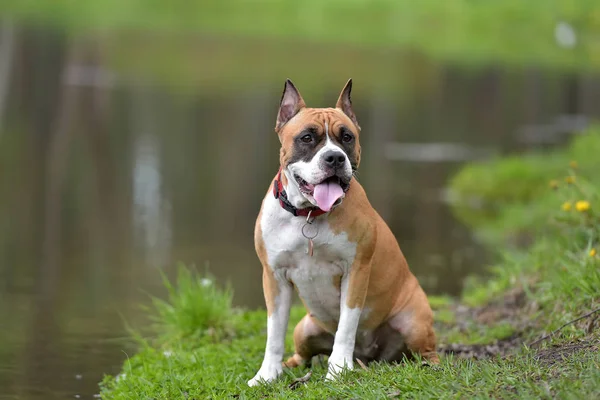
x=570 y=179
x=592 y=252
x=566 y=206
x=582 y=205
x=554 y=184
x=573 y=164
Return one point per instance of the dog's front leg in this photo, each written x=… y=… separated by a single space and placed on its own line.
x=278 y=294
x=352 y=298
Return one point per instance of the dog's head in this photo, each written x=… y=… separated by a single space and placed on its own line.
x=319 y=148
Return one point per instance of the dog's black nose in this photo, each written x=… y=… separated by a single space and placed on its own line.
x=334 y=159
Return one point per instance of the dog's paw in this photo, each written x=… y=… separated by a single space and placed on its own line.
x=336 y=365
x=266 y=374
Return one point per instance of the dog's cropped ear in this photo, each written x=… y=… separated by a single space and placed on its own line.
x=291 y=104
x=344 y=103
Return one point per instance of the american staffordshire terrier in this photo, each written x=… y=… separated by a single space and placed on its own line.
x=318 y=233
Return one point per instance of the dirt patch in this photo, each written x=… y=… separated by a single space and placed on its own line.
x=508 y=307
x=480 y=351
x=557 y=353
x=501 y=348
x=512 y=308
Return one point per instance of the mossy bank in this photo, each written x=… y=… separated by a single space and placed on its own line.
x=541 y=210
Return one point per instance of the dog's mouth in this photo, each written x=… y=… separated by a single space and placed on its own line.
x=304 y=186
x=326 y=193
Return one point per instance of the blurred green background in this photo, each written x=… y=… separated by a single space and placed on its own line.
x=138 y=133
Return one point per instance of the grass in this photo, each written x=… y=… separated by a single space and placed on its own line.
x=403 y=43
x=221 y=373
x=533 y=289
x=496 y=197
x=195 y=307
x=511 y=31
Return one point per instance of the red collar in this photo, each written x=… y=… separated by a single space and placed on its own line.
x=279 y=193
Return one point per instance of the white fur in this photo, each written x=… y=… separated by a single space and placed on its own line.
x=345 y=337
x=286 y=249
x=277 y=324
x=334 y=254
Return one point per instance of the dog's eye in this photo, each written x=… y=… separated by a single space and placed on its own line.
x=347 y=138
x=306 y=138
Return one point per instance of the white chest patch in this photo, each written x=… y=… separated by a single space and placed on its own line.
x=315 y=276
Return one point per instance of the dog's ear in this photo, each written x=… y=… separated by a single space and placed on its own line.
x=344 y=103
x=291 y=104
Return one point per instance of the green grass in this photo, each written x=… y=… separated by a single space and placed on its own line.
x=505 y=196
x=195 y=307
x=221 y=373
x=401 y=42
x=557 y=274
x=512 y=31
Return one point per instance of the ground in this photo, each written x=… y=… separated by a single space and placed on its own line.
x=527 y=330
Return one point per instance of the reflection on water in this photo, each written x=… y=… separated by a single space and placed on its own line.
x=106 y=176
x=150 y=215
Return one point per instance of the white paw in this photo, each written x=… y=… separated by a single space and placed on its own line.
x=337 y=364
x=267 y=373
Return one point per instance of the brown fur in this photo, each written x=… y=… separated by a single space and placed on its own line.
x=380 y=279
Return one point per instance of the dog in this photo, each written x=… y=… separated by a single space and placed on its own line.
x=317 y=232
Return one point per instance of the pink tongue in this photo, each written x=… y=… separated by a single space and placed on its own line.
x=326 y=194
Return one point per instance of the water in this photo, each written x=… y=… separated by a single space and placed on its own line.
x=122 y=157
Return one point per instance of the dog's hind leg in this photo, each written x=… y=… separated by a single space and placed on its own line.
x=310 y=339
x=415 y=325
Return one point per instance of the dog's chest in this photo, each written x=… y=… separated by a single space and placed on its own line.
x=317 y=277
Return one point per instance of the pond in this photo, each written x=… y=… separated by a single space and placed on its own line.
x=122 y=156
